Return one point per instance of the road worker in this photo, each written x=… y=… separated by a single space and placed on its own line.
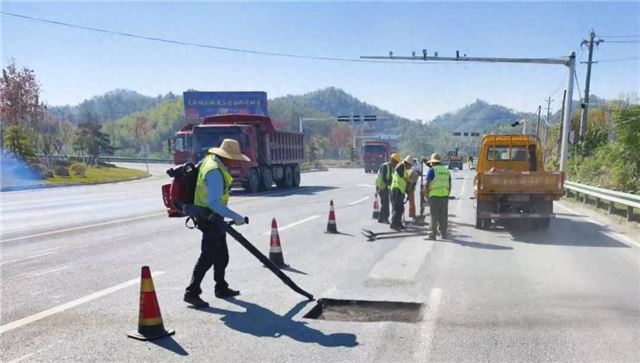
x=383 y=184
x=398 y=190
x=437 y=190
x=213 y=188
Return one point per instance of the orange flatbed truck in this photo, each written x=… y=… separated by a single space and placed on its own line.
x=510 y=183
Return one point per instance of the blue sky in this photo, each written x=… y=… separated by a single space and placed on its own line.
x=72 y=65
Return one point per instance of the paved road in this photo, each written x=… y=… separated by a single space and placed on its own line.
x=70 y=293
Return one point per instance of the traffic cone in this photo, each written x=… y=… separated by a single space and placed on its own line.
x=331 y=224
x=275 y=249
x=150 y=325
x=376 y=208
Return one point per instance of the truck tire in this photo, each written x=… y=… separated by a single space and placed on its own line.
x=253 y=183
x=288 y=177
x=483 y=207
x=296 y=175
x=266 y=179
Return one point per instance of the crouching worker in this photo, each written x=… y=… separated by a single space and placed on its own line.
x=213 y=187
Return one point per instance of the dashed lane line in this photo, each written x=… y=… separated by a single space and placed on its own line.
x=68 y=305
x=358 y=201
x=293 y=224
x=428 y=326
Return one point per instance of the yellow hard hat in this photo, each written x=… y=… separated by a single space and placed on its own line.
x=396 y=157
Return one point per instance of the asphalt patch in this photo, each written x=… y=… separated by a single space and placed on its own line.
x=365 y=311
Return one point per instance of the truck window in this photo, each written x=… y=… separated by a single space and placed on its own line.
x=498 y=153
x=379 y=149
x=179 y=143
x=518 y=153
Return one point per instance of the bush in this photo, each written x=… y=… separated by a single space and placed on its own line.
x=79 y=169
x=41 y=170
x=61 y=171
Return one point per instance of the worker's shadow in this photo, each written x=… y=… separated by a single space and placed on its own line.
x=261 y=322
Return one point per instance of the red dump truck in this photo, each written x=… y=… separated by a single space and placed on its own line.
x=182 y=144
x=275 y=155
x=375 y=153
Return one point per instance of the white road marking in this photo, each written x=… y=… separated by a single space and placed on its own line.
x=293 y=224
x=359 y=201
x=612 y=234
x=366 y=185
x=82 y=227
x=26 y=258
x=71 y=304
x=51 y=270
x=464 y=187
x=20 y=359
x=428 y=325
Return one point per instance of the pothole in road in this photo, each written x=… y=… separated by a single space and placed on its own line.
x=365 y=311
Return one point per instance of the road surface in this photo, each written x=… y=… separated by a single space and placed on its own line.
x=71 y=259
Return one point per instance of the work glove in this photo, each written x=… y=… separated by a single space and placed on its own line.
x=238 y=221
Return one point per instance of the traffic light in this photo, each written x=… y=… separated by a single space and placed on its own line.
x=356 y=118
x=466 y=134
x=344 y=118
x=455 y=133
x=369 y=118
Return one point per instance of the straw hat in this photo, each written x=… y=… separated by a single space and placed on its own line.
x=229 y=149
x=435 y=158
x=408 y=160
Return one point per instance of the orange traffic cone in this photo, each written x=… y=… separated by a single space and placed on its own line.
x=376 y=208
x=149 y=320
x=331 y=224
x=275 y=249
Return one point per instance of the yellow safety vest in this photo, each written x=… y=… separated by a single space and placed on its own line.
x=208 y=164
x=380 y=180
x=439 y=186
x=400 y=181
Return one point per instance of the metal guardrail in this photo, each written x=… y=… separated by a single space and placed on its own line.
x=629 y=200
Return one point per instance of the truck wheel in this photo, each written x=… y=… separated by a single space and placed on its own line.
x=254 y=181
x=266 y=180
x=296 y=175
x=288 y=177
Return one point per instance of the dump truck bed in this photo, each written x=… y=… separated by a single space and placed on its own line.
x=519 y=182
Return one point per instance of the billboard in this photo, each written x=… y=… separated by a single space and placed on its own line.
x=201 y=104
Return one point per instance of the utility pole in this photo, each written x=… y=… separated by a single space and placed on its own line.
x=546 y=129
x=585 y=104
x=538 y=122
x=564 y=100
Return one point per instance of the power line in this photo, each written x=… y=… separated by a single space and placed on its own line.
x=619 y=59
x=622 y=36
x=198 y=45
x=620 y=41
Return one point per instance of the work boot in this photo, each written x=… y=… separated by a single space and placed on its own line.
x=444 y=235
x=431 y=237
x=195 y=300
x=384 y=221
x=396 y=227
x=226 y=293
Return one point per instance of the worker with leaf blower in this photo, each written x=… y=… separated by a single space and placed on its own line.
x=212 y=191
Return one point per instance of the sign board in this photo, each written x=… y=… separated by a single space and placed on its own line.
x=198 y=105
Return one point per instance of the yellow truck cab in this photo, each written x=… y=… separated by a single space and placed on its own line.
x=510 y=182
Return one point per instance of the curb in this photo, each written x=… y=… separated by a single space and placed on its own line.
x=45 y=186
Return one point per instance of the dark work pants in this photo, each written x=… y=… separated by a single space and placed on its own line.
x=397 y=203
x=439 y=208
x=213 y=252
x=384 y=205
